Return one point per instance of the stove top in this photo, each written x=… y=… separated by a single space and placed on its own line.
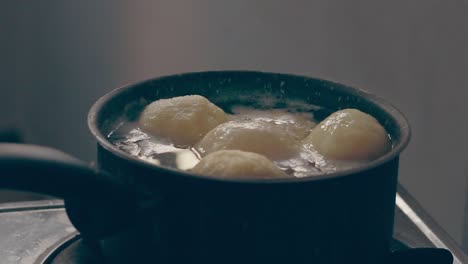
x=72 y=249
x=40 y=233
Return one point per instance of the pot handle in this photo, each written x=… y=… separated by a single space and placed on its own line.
x=97 y=204
x=421 y=255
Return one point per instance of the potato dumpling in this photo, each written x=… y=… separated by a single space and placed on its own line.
x=250 y=135
x=349 y=134
x=298 y=125
x=184 y=120
x=235 y=164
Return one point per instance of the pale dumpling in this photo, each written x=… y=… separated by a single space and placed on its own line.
x=183 y=120
x=297 y=124
x=349 y=134
x=235 y=164
x=250 y=135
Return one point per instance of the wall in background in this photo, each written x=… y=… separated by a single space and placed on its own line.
x=64 y=55
x=9 y=113
x=465 y=224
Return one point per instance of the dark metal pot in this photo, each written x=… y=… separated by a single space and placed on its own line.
x=134 y=210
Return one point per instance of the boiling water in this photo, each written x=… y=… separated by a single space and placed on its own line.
x=128 y=137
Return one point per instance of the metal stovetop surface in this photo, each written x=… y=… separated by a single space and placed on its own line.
x=30 y=230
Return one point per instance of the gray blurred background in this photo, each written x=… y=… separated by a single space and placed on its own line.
x=58 y=57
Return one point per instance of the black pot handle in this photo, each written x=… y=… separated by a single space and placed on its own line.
x=49 y=171
x=421 y=255
x=97 y=204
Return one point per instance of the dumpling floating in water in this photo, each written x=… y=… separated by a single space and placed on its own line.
x=183 y=120
x=235 y=164
x=297 y=124
x=349 y=134
x=255 y=136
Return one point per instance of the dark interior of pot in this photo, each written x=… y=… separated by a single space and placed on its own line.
x=255 y=89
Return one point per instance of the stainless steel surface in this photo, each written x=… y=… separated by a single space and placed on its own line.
x=416 y=228
x=29 y=232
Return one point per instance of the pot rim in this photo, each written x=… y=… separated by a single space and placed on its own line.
x=401 y=120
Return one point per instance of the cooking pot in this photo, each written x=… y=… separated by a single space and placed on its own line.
x=135 y=211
